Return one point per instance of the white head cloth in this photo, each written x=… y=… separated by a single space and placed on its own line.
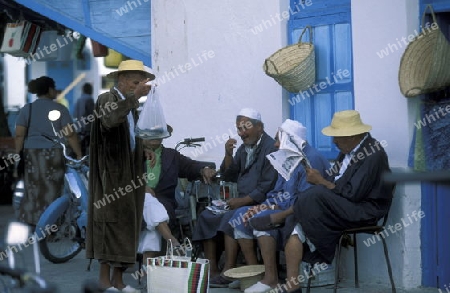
x=292 y=136
x=250 y=113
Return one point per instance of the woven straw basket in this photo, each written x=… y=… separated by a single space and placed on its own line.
x=425 y=65
x=248 y=275
x=293 y=67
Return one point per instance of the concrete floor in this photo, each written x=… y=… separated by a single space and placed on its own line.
x=70 y=276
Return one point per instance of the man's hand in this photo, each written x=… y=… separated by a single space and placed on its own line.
x=230 y=144
x=207 y=174
x=150 y=190
x=235 y=203
x=151 y=156
x=313 y=176
x=142 y=88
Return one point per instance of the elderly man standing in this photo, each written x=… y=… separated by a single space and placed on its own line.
x=254 y=175
x=355 y=196
x=116 y=163
x=291 y=160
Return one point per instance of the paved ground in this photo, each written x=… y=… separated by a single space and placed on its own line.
x=70 y=276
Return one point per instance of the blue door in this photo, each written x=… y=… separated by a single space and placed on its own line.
x=333 y=90
x=435 y=233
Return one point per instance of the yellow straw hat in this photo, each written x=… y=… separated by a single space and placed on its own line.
x=346 y=123
x=131 y=65
x=248 y=275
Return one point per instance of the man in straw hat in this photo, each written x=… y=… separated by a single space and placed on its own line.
x=255 y=176
x=290 y=162
x=355 y=197
x=116 y=164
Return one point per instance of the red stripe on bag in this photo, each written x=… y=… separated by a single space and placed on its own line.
x=196 y=279
x=32 y=37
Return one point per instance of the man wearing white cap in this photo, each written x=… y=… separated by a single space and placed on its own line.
x=254 y=175
x=291 y=141
x=116 y=161
x=355 y=196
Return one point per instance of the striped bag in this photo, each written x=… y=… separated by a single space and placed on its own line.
x=20 y=39
x=180 y=275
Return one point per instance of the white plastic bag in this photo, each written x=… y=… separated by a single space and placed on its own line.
x=151 y=123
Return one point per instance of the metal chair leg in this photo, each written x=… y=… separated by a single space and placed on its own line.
x=355 y=253
x=308 y=288
x=336 y=272
x=388 y=263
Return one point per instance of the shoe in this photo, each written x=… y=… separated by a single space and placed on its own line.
x=258 y=288
x=129 y=289
x=236 y=284
x=112 y=289
x=264 y=223
x=219 y=282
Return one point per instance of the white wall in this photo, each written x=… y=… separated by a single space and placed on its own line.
x=14 y=80
x=204 y=100
x=375 y=25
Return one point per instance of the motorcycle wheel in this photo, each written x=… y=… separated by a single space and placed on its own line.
x=60 y=246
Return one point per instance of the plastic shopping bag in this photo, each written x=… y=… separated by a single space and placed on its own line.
x=151 y=123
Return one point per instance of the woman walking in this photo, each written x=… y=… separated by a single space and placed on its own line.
x=43 y=159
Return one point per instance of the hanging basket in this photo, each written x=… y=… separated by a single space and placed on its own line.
x=425 y=64
x=293 y=67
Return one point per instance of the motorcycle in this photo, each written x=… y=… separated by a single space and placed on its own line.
x=68 y=212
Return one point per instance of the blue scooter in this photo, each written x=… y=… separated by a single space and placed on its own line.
x=67 y=215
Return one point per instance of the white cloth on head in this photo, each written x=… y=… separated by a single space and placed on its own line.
x=154 y=214
x=292 y=135
x=250 y=113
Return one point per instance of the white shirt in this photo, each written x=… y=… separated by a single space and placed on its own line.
x=348 y=158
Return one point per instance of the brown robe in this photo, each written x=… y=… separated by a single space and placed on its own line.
x=116 y=187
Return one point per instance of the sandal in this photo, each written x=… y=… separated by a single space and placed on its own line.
x=264 y=223
x=219 y=282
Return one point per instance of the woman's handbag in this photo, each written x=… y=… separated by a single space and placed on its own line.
x=293 y=67
x=20 y=39
x=190 y=275
x=425 y=64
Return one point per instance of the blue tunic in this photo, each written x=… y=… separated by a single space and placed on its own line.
x=284 y=193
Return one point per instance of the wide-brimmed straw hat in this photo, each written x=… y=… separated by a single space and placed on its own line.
x=346 y=123
x=131 y=65
x=248 y=275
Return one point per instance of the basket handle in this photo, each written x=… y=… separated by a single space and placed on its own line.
x=266 y=65
x=310 y=34
x=432 y=14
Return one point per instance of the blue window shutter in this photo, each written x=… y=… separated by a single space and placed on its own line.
x=333 y=90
